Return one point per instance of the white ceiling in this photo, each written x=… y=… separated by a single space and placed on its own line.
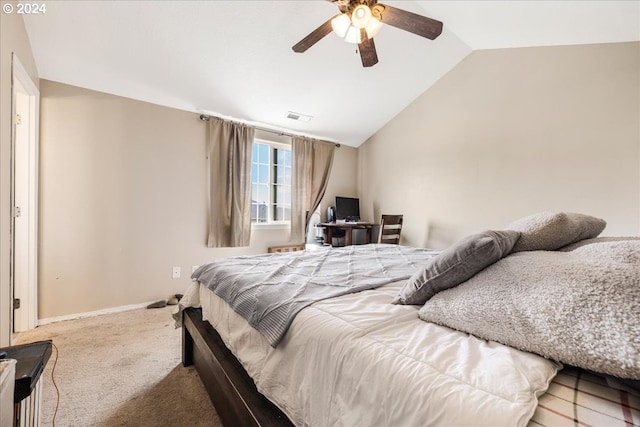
x=234 y=58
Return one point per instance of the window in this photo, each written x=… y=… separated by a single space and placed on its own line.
x=270 y=182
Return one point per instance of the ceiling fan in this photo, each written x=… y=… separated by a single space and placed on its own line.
x=360 y=20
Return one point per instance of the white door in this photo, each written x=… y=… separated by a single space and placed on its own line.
x=25 y=110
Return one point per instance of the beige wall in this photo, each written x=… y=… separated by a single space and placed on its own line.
x=508 y=133
x=13 y=38
x=123 y=199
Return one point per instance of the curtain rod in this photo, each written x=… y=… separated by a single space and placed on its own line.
x=205 y=118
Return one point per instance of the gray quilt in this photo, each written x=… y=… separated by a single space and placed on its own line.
x=269 y=290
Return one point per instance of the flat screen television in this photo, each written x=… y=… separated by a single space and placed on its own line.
x=347 y=208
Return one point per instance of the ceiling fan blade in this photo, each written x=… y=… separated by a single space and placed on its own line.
x=412 y=22
x=367 y=50
x=314 y=37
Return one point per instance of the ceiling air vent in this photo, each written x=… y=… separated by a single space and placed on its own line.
x=298 y=116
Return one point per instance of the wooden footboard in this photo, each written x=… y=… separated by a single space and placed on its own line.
x=230 y=388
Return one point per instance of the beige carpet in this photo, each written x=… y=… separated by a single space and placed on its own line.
x=121 y=369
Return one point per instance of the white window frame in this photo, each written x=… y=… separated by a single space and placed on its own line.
x=270 y=224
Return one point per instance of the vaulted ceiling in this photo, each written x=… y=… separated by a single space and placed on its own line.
x=234 y=58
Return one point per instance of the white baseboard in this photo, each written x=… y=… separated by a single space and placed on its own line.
x=111 y=310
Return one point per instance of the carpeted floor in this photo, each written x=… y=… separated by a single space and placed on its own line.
x=121 y=369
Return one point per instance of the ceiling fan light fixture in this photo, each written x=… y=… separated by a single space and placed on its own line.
x=353 y=35
x=360 y=16
x=353 y=32
x=373 y=26
x=340 y=24
x=345 y=28
x=360 y=20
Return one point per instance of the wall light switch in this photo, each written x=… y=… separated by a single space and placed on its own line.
x=176 y=273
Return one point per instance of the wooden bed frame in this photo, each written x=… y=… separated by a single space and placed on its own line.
x=231 y=389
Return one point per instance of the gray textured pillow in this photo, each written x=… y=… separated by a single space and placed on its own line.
x=548 y=231
x=579 y=307
x=456 y=264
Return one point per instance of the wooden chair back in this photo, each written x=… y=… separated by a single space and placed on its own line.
x=390 y=228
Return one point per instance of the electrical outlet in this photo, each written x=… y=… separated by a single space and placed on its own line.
x=176 y=273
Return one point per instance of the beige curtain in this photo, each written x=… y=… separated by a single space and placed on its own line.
x=230 y=147
x=311 y=166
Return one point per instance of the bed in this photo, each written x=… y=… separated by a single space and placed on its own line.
x=365 y=358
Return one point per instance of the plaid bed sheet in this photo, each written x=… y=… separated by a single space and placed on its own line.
x=579 y=398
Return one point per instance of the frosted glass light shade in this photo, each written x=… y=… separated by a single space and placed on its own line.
x=340 y=24
x=353 y=35
x=373 y=26
x=346 y=29
x=360 y=16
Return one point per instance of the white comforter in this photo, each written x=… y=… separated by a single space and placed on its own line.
x=358 y=360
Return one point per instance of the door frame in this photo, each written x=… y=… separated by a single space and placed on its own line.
x=21 y=83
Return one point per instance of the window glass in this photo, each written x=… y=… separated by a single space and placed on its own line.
x=271 y=182
x=264 y=153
